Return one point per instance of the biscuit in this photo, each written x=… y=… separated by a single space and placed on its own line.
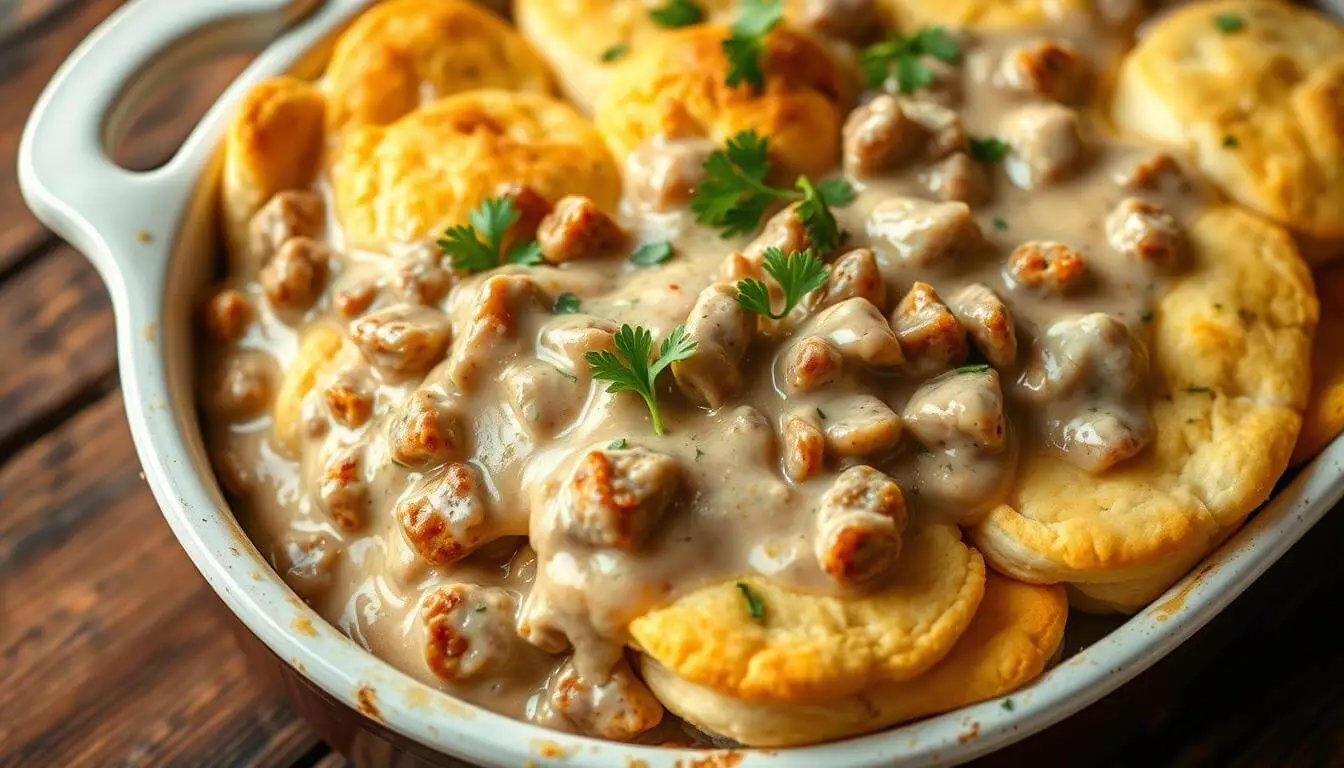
x=810 y=646
x=1230 y=351
x=430 y=169
x=1324 y=417
x=317 y=350
x=402 y=53
x=1016 y=631
x=998 y=14
x=675 y=87
x=584 y=40
x=1260 y=107
x=274 y=143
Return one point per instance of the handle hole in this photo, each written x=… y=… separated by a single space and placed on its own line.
x=165 y=109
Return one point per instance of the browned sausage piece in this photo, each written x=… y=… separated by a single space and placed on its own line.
x=859 y=331
x=1050 y=69
x=784 y=231
x=878 y=137
x=244 y=386
x=497 y=312
x=859 y=525
x=426 y=432
x=532 y=208
x=804 y=445
x=402 y=340
x=924 y=233
x=614 y=498
x=343 y=491
x=941 y=126
x=958 y=412
x=447 y=517
x=305 y=561
x=663 y=174
x=542 y=398
x=722 y=331
x=228 y=314
x=469 y=630
x=421 y=276
x=855 y=275
x=860 y=425
x=578 y=229
x=986 y=318
x=350 y=398
x=958 y=178
x=1146 y=233
x=1046 y=266
x=810 y=364
x=618 y=709
x=296 y=274
x=294 y=213
x=854 y=21
x=1046 y=143
x=930 y=335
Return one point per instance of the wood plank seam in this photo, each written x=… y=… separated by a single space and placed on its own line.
x=51 y=419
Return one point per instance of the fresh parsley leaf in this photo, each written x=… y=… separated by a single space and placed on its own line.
x=901 y=56
x=746 y=49
x=617 y=51
x=652 y=254
x=990 y=150
x=755 y=606
x=629 y=368
x=528 y=254
x=617 y=444
x=1227 y=23
x=566 y=304
x=476 y=248
x=817 y=217
x=735 y=194
x=981 y=368
x=798 y=273
x=677 y=13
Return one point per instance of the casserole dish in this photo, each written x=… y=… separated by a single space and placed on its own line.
x=146 y=234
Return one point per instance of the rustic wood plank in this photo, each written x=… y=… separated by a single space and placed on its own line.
x=55 y=318
x=113 y=618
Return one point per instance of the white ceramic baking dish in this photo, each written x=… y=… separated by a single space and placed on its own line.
x=151 y=235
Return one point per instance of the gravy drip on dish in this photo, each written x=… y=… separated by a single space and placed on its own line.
x=462 y=499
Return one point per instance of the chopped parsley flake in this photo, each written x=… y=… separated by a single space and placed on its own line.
x=617 y=444
x=821 y=414
x=566 y=304
x=615 y=52
x=980 y=368
x=991 y=150
x=1230 y=141
x=1227 y=23
x=1146 y=317
x=698 y=453
x=652 y=254
x=1000 y=224
x=1199 y=390
x=565 y=373
x=755 y=606
x=1008 y=704
x=677 y=13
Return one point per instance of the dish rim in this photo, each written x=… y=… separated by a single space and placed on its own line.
x=77 y=115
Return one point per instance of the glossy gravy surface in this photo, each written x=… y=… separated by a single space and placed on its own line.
x=529 y=412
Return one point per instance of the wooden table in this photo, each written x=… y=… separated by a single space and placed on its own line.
x=114 y=652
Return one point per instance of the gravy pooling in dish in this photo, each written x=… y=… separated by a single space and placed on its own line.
x=427 y=459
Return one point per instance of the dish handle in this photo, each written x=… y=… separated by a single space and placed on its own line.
x=66 y=172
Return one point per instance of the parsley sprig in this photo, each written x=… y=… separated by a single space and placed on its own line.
x=629 y=368
x=477 y=247
x=901 y=56
x=798 y=274
x=735 y=194
x=745 y=48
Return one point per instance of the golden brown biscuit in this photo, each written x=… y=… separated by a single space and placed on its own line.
x=1255 y=89
x=1231 y=345
x=274 y=143
x=997 y=14
x=1016 y=631
x=318 y=348
x=1324 y=417
x=428 y=170
x=585 y=39
x=675 y=86
x=811 y=646
x=403 y=53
